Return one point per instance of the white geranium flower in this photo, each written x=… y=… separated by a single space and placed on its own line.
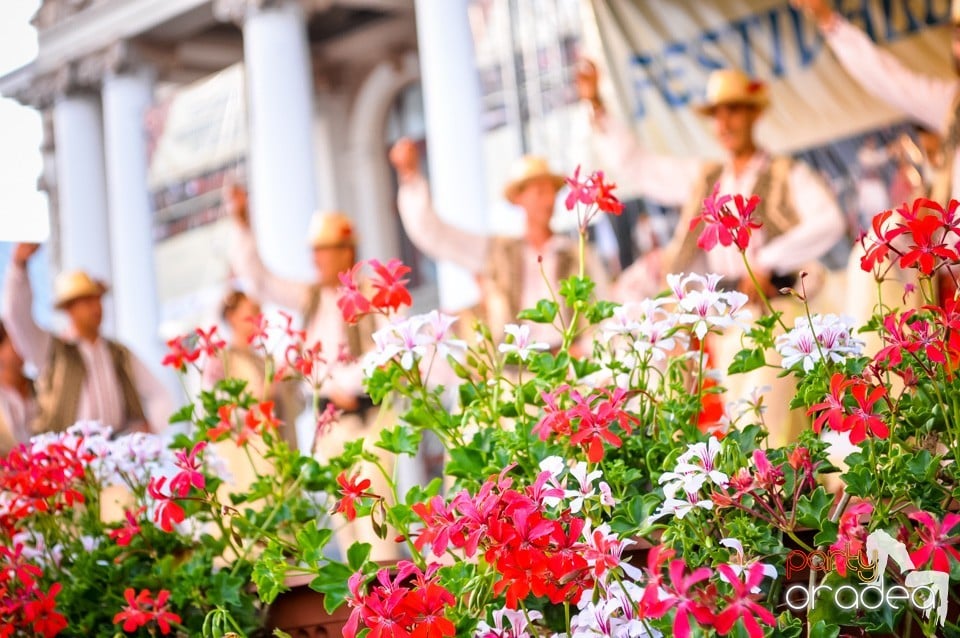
x=826 y=336
x=521 y=344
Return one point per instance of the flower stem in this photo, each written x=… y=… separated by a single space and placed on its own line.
x=759 y=289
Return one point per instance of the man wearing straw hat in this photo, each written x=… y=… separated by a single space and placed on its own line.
x=81 y=375
x=508 y=268
x=933 y=102
x=333 y=242
x=800 y=217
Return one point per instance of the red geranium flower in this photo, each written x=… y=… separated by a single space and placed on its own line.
x=351 y=491
x=125 y=534
x=743 y=605
x=167 y=512
x=352 y=303
x=390 y=285
x=180 y=354
x=936 y=541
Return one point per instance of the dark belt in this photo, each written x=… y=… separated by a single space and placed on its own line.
x=364 y=405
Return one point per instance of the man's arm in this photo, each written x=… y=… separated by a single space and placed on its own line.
x=429 y=233
x=924 y=98
x=821 y=225
x=264 y=285
x=665 y=179
x=156 y=400
x=31 y=341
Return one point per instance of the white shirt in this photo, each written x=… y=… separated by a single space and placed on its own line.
x=672 y=181
x=101 y=398
x=926 y=99
x=445 y=242
x=326 y=326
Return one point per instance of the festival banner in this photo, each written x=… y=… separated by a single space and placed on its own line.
x=656 y=56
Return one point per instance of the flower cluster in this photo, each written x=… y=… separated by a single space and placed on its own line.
x=143 y=609
x=859 y=419
x=531 y=552
x=413 y=339
x=590 y=422
x=818 y=338
x=389 y=292
x=401 y=602
x=594 y=193
x=23 y=604
x=724 y=226
x=923 y=236
x=187 y=349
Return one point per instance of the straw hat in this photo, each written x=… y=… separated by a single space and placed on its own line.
x=75 y=284
x=331 y=228
x=527 y=168
x=955 y=13
x=733 y=86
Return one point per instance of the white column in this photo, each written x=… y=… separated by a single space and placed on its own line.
x=282 y=174
x=126 y=97
x=81 y=184
x=451 y=100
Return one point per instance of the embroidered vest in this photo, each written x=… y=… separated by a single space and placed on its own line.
x=60 y=385
x=775 y=211
x=503 y=280
x=942 y=188
x=359 y=336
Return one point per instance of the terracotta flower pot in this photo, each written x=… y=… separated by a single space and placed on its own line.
x=300 y=613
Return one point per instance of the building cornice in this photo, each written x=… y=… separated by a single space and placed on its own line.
x=86 y=73
x=100 y=24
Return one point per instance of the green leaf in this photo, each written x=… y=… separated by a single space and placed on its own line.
x=269 y=572
x=465 y=462
x=814 y=508
x=312 y=541
x=859 y=481
x=183 y=415
x=545 y=312
x=822 y=630
x=357 y=555
x=332 y=583
x=600 y=311
x=827 y=534
x=576 y=289
x=788 y=626
x=400 y=440
x=747 y=360
x=921 y=466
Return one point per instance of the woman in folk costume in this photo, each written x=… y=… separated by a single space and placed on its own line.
x=332 y=239
x=508 y=268
x=18 y=403
x=239 y=360
x=800 y=217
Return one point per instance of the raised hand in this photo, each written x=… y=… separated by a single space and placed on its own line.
x=405 y=158
x=235 y=201
x=23 y=252
x=820 y=11
x=587 y=82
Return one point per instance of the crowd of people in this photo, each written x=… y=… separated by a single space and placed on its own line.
x=83 y=374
